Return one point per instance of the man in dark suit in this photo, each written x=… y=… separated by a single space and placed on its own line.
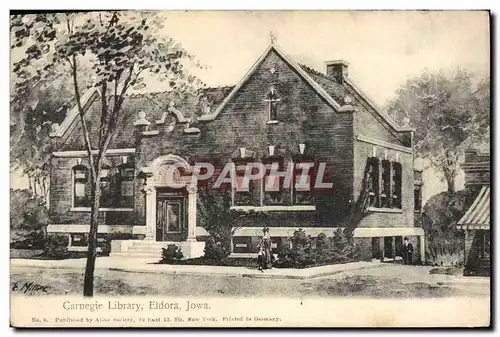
x=407 y=251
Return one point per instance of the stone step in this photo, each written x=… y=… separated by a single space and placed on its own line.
x=137 y=254
x=153 y=243
x=145 y=249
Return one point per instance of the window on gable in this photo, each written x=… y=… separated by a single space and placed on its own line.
x=81 y=186
x=272 y=104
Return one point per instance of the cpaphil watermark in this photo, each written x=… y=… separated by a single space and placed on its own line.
x=305 y=175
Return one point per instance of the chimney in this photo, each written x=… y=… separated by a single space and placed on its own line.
x=337 y=70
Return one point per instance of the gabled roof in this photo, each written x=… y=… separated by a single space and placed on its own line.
x=338 y=92
x=86 y=100
x=273 y=47
x=326 y=86
x=152 y=104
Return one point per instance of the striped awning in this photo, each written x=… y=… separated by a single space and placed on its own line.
x=478 y=215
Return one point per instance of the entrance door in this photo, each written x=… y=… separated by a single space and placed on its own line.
x=170 y=219
x=388 y=249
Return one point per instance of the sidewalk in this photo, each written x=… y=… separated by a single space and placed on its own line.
x=144 y=265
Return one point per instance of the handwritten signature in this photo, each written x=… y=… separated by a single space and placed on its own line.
x=29 y=287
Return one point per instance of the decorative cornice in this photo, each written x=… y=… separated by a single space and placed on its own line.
x=83 y=153
x=385 y=144
x=172 y=110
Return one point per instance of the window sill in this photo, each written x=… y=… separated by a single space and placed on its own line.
x=272 y=122
x=104 y=209
x=385 y=210
x=295 y=208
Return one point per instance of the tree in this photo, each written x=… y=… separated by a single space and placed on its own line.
x=28 y=218
x=115 y=50
x=448 y=112
x=32 y=114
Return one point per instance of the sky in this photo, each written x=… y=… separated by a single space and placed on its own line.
x=383 y=49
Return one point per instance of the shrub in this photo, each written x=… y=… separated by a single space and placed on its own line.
x=215 y=250
x=171 y=255
x=56 y=247
x=309 y=251
x=218 y=219
x=29 y=240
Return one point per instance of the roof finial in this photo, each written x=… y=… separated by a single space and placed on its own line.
x=272 y=37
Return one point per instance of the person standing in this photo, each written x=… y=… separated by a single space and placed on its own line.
x=265 y=256
x=407 y=251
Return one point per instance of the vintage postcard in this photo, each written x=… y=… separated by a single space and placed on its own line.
x=250 y=169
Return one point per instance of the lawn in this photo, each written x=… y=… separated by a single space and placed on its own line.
x=66 y=282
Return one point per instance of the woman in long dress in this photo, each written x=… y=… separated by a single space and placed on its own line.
x=265 y=256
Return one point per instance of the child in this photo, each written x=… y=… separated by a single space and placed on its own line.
x=261 y=258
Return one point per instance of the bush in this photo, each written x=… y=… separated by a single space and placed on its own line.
x=218 y=220
x=29 y=240
x=307 y=251
x=56 y=247
x=215 y=250
x=171 y=255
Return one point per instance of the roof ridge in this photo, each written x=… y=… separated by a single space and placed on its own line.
x=139 y=95
x=317 y=72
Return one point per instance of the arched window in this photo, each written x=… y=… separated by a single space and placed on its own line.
x=81 y=195
x=272 y=104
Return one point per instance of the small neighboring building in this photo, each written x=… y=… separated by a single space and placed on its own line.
x=476 y=221
x=279 y=113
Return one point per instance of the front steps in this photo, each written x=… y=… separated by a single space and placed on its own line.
x=153 y=249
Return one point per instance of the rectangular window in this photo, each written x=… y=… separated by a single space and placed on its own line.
x=396 y=190
x=273 y=185
x=243 y=193
x=302 y=183
x=105 y=186
x=417 y=194
x=80 y=189
x=386 y=184
x=373 y=181
x=127 y=186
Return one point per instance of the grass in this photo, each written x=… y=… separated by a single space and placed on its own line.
x=38 y=254
x=227 y=262
x=120 y=283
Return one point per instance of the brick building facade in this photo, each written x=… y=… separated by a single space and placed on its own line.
x=280 y=112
